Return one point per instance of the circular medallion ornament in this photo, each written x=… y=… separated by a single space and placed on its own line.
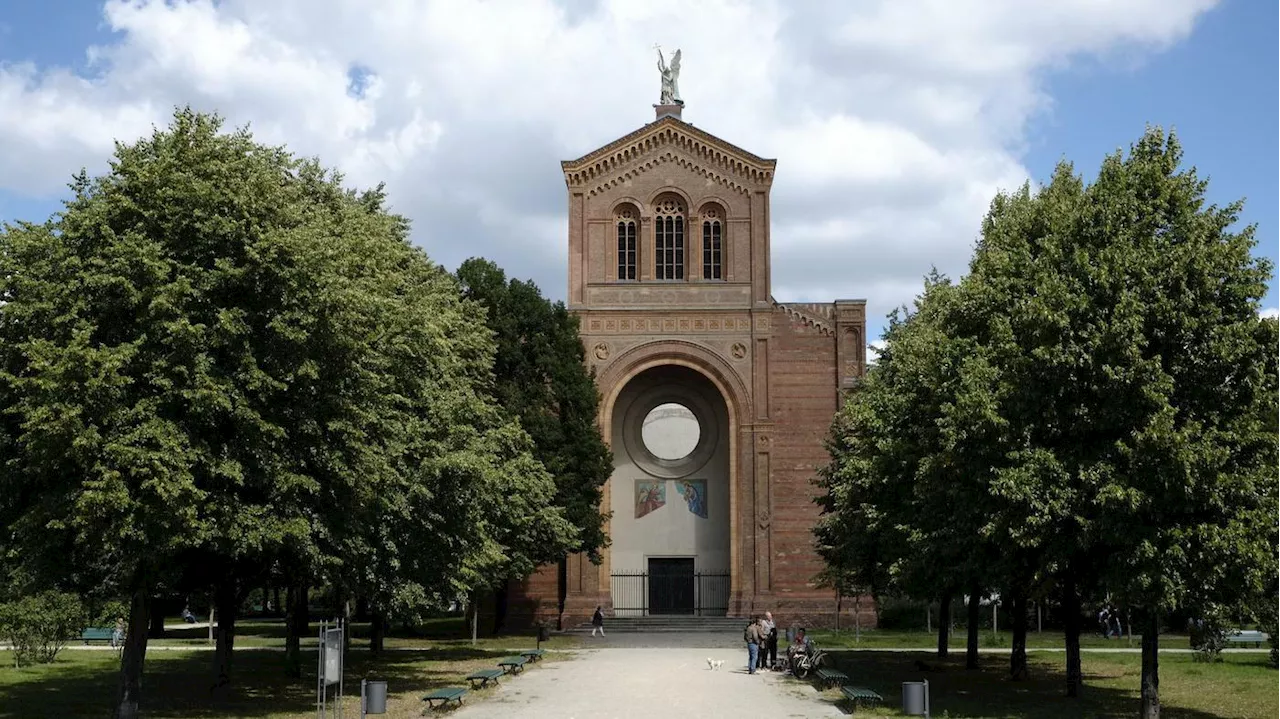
x=602 y=351
x=738 y=350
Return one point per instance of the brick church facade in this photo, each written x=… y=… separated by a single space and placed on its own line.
x=669 y=273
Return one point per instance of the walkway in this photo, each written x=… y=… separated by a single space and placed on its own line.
x=624 y=683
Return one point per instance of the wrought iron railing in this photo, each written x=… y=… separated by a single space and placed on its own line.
x=638 y=594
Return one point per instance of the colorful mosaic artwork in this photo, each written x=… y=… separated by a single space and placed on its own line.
x=694 y=492
x=650 y=495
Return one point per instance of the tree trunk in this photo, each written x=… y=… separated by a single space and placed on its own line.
x=500 y=607
x=1018 y=655
x=225 y=598
x=562 y=591
x=944 y=619
x=971 y=647
x=157 y=621
x=280 y=608
x=857 y=619
x=1071 y=633
x=475 y=617
x=377 y=629
x=1151 y=666
x=135 y=652
x=296 y=623
x=838 y=602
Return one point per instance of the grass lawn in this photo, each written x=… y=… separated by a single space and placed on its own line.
x=176 y=683
x=1243 y=686
x=890 y=639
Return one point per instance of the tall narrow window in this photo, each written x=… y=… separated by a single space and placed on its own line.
x=668 y=241
x=626 y=245
x=712 y=246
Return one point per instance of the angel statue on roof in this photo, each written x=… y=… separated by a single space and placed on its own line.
x=670 y=78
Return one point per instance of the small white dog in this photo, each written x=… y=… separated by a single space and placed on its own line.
x=714 y=664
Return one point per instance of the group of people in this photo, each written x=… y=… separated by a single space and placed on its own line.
x=1109 y=622
x=761 y=636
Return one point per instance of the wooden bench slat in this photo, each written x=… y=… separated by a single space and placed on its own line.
x=484 y=676
x=861 y=694
x=444 y=695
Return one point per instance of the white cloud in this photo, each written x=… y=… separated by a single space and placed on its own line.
x=873 y=351
x=1272 y=312
x=893 y=121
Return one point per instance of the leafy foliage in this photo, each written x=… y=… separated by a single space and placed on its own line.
x=541 y=379
x=217 y=359
x=39 y=626
x=1095 y=404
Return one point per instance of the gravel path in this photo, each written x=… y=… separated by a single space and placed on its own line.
x=645 y=682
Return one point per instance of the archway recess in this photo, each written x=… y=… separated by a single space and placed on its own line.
x=671 y=495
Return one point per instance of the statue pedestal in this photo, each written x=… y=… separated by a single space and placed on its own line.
x=664 y=110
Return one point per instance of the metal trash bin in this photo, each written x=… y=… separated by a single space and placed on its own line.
x=915 y=698
x=375 y=697
x=544 y=633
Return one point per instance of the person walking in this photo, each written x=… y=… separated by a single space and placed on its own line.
x=769 y=650
x=754 y=636
x=597 y=622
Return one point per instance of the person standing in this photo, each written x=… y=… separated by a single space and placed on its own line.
x=754 y=636
x=769 y=650
x=597 y=622
x=117 y=634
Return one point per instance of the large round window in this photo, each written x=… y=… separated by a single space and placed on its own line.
x=670 y=431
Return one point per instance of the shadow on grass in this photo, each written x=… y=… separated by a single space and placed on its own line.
x=987 y=692
x=177 y=684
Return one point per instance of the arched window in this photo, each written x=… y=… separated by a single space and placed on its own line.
x=668 y=240
x=712 y=245
x=626 y=221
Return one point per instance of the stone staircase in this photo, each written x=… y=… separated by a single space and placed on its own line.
x=666 y=623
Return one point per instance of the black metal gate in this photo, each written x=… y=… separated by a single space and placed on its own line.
x=670 y=587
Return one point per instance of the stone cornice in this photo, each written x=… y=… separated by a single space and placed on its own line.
x=714 y=155
x=811 y=314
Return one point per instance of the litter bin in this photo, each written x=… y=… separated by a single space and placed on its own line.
x=544 y=633
x=915 y=698
x=375 y=697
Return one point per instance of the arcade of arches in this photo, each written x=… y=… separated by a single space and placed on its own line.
x=715 y=397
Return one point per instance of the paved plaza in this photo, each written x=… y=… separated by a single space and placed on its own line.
x=620 y=683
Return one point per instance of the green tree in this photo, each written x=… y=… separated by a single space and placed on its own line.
x=1140 y=383
x=216 y=358
x=540 y=378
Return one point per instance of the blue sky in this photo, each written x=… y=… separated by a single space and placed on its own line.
x=1216 y=85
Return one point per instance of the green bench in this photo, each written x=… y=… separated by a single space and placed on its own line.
x=1246 y=637
x=484 y=676
x=860 y=696
x=831 y=677
x=533 y=655
x=444 y=695
x=512 y=665
x=96 y=634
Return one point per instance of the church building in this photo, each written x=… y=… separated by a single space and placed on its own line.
x=715 y=398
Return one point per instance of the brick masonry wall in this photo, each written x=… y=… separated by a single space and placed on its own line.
x=803 y=387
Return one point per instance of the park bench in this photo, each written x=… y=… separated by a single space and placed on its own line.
x=444 y=695
x=1249 y=636
x=861 y=696
x=484 y=676
x=512 y=665
x=831 y=677
x=533 y=655
x=96 y=634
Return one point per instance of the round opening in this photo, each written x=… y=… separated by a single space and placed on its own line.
x=670 y=431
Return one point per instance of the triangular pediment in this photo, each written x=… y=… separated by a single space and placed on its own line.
x=668 y=139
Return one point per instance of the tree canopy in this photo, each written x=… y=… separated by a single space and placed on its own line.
x=1099 y=394
x=215 y=356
